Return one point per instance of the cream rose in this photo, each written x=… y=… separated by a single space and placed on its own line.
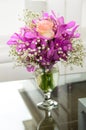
x=45 y=28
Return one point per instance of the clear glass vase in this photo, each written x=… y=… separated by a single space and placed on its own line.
x=47 y=81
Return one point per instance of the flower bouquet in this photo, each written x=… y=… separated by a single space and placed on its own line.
x=44 y=41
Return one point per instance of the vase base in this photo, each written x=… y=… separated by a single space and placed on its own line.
x=52 y=105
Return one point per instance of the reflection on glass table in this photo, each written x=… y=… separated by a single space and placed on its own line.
x=48 y=122
x=66 y=93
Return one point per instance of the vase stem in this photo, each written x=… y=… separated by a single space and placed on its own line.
x=47 y=96
x=48 y=103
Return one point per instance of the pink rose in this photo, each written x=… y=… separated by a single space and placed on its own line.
x=45 y=28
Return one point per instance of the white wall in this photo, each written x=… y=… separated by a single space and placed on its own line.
x=9 y=11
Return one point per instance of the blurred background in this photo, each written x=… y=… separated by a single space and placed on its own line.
x=9 y=23
x=12 y=108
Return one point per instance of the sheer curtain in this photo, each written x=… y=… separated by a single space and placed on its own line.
x=84 y=14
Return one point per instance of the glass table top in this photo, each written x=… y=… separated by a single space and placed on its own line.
x=71 y=88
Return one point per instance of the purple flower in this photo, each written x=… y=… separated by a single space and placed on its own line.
x=30 y=68
x=48 y=41
x=13 y=39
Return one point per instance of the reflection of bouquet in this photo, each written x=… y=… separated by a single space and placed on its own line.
x=45 y=40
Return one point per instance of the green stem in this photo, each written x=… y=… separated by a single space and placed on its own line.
x=47 y=81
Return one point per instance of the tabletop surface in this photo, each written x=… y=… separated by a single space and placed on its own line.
x=65 y=116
